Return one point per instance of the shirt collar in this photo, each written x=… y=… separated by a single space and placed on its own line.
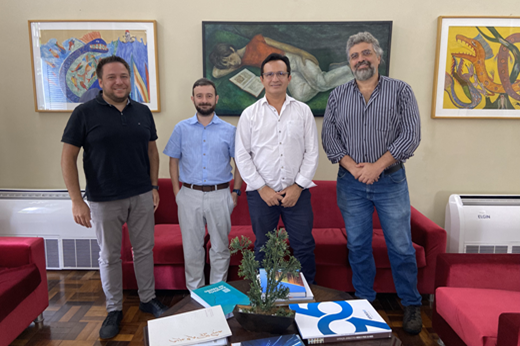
x=101 y=100
x=381 y=80
x=194 y=120
x=288 y=99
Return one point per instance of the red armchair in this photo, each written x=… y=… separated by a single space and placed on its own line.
x=477 y=299
x=23 y=285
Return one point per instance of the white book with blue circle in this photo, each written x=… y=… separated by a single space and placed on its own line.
x=336 y=321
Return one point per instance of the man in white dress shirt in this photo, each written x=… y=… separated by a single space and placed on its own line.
x=277 y=156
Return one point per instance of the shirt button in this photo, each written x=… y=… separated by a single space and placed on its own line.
x=281 y=154
x=204 y=140
x=279 y=131
x=204 y=167
x=280 y=142
x=204 y=154
x=204 y=180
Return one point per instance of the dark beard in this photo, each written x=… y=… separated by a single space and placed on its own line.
x=366 y=74
x=204 y=112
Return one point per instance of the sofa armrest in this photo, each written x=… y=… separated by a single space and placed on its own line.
x=509 y=329
x=18 y=251
x=491 y=271
x=432 y=238
x=427 y=233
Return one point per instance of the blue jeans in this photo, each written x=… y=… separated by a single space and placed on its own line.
x=390 y=197
x=298 y=224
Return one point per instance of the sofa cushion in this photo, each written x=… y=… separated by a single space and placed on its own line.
x=473 y=313
x=168 y=245
x=331 y=246
x=16 y=284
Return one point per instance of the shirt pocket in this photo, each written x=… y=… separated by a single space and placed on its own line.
x=384 y=119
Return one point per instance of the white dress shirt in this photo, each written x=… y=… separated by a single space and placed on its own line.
x=277 y=150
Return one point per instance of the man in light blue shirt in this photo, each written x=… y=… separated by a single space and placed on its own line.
x=200 y=150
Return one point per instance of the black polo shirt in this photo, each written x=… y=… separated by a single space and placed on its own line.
x=115 y=147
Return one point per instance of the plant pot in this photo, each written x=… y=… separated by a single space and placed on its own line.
x=262 y=323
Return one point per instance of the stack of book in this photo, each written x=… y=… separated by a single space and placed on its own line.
x=299 y=290
x=221 y=294
x=346 y=320
x=206 y=327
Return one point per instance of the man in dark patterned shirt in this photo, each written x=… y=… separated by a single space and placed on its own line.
x=371 y=126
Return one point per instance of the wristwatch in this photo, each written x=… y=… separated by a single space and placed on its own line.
x=237 y=191
x=155 y=187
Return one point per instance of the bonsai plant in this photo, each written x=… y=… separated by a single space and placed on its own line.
x=276 y=251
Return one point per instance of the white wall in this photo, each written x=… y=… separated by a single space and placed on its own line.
x=455 y=156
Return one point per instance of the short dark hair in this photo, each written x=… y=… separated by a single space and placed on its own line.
x=221 y=51
x=201 y=82
x=108 y=60
x=274 y=57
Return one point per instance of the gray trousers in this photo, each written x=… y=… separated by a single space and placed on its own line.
x=108 y=219
x=196 y=210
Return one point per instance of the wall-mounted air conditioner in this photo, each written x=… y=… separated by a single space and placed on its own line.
x=483 y=223
x=48 y=214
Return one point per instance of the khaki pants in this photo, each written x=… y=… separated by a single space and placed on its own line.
x=108 y=219
x=196 y=210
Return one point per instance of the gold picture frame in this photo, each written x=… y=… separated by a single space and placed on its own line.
x=477 y=68
x=65 y=54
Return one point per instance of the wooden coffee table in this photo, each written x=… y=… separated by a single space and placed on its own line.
x=321 y=294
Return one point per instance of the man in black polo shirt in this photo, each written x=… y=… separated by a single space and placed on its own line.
x=121 y=165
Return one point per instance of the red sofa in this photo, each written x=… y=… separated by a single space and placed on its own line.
x=477 y=299
x=332 y=268
x=23 y=285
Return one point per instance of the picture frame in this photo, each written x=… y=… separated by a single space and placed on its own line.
x=476 y=72
x=64 y=55
x=304 y=43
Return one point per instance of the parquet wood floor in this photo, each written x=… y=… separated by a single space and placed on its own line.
x=77 y=310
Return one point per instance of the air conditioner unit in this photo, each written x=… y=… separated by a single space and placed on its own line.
x=48 y=214
x=483 y=223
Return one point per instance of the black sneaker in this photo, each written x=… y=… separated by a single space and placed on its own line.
x=412 y=321
x=110 y=327
x=153 y=307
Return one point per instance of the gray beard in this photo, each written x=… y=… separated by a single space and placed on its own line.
x=365 y=74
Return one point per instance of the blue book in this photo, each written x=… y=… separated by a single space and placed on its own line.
x=296 y=284
x=221 y=294
x=282 y=340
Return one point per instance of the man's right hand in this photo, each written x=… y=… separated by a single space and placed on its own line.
x=270 y=196
x=81 y=213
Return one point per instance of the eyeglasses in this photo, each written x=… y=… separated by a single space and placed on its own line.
x=280 y=74
x=366 y=53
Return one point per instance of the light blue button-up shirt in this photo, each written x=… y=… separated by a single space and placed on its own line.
x=204 y=153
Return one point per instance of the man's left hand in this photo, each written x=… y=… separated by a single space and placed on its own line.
x=291 y=195
x=235 y=199
x=370 y=173
x=155 y=195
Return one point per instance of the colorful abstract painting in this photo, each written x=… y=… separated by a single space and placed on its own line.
x=66 y=55
x=478 y=68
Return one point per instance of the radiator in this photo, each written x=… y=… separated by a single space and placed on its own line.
x=48 y=214
x=483 y=223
